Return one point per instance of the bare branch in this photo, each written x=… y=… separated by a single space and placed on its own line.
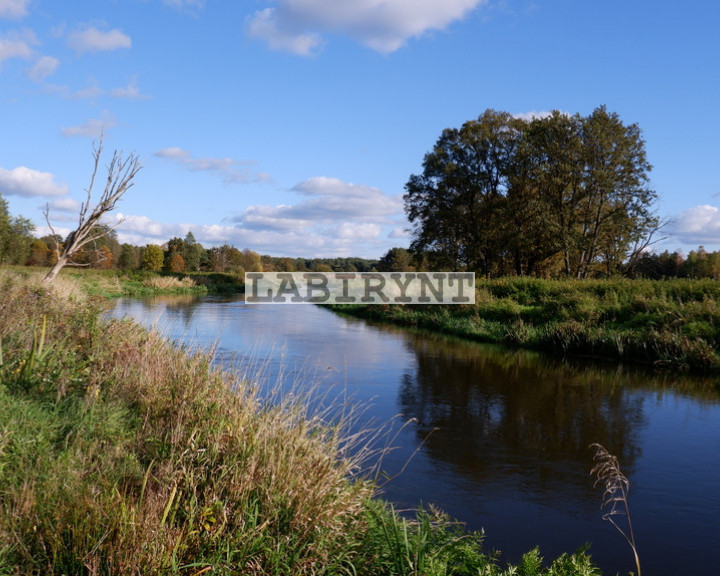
x=121 y=173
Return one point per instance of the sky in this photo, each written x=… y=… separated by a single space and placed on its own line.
x=290 y=127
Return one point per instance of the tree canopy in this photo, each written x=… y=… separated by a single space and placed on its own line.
x=559 y=194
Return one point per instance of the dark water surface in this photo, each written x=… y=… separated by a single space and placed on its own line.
x=496 y=438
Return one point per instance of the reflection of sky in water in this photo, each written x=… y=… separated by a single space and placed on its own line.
x=503 y=435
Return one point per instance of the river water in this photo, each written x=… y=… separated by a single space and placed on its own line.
x=498 y=439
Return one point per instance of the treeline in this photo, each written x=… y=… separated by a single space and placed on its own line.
x=554 y=196
x=651 y=265
x=186 y=255
x=179 y=255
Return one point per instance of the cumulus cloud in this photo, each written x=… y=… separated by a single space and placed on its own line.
x=22 y=181
x=92 y=39
x=17 y=45
x=232 y=171
x=93 y=128
x=45 y=66
x=13 y=8
x=330 y=201
x=298 y=26
x=333 y=218
x=64 y=205
x=698 y=225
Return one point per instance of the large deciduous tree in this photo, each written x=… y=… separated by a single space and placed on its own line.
x=506 y=195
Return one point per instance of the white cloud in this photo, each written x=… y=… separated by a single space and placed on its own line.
x=13 y=8
x=22 y=181
x=187 y=5
x=297 y=26
x=331 y=201
x=93 y=128
x=529 y=116
x=17 y=45
x=129 y=92
x=92 y=39
x=399 y=233
x=334 y=218
x=64 y=205
x=698 y=225
x=44 y=67
x=232 y=171
x=265 y=26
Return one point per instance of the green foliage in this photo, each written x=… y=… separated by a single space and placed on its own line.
x=151 y=258
x=559 y=194
x=15 y=236
x=129 y=258
x=396 y=260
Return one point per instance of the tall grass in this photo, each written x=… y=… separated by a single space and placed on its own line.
x=121 y=454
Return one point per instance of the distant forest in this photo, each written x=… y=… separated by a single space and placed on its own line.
x=185 y=255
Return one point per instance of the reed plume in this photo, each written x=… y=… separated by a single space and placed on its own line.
x=615 y=497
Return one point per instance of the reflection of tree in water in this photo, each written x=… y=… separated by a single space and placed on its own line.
x=181 y=306
x=519 y=418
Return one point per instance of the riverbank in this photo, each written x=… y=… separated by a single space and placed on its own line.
x=121 y=454
x=136 y=283
x=670 y=324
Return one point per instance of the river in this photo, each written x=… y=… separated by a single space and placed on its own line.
x=498 y=439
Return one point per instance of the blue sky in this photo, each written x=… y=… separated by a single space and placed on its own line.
x=291 y=126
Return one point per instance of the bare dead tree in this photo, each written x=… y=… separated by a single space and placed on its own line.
x=120 y=175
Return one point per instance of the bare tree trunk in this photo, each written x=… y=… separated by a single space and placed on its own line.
x=121 y=172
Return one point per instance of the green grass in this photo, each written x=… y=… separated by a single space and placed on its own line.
x=136 y=283
x=122 y=454
x=667 y=323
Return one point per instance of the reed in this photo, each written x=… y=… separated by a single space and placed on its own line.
x=616 y=488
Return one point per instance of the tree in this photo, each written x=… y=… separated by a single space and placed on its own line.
x=121 y=173
x=151 y=257
x=502 y=195
x=39 y=253
x=176 y=263
x=193 y=253
x=128 y=259
x=15 y=236
x=454 y=202
x=396 y=260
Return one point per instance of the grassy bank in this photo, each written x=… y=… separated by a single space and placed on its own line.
x=121 y=454
x=137 y=283
x=667 y=323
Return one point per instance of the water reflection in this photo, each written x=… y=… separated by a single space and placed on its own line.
x=498 y=439
x=517 y=415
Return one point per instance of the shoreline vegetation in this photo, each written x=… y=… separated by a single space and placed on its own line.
x=121 y=453
x=669 y=324
x=108 y=284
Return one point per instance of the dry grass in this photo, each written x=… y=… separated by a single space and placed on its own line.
x=616 y=488
x=135 y=457
x=169 y=282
